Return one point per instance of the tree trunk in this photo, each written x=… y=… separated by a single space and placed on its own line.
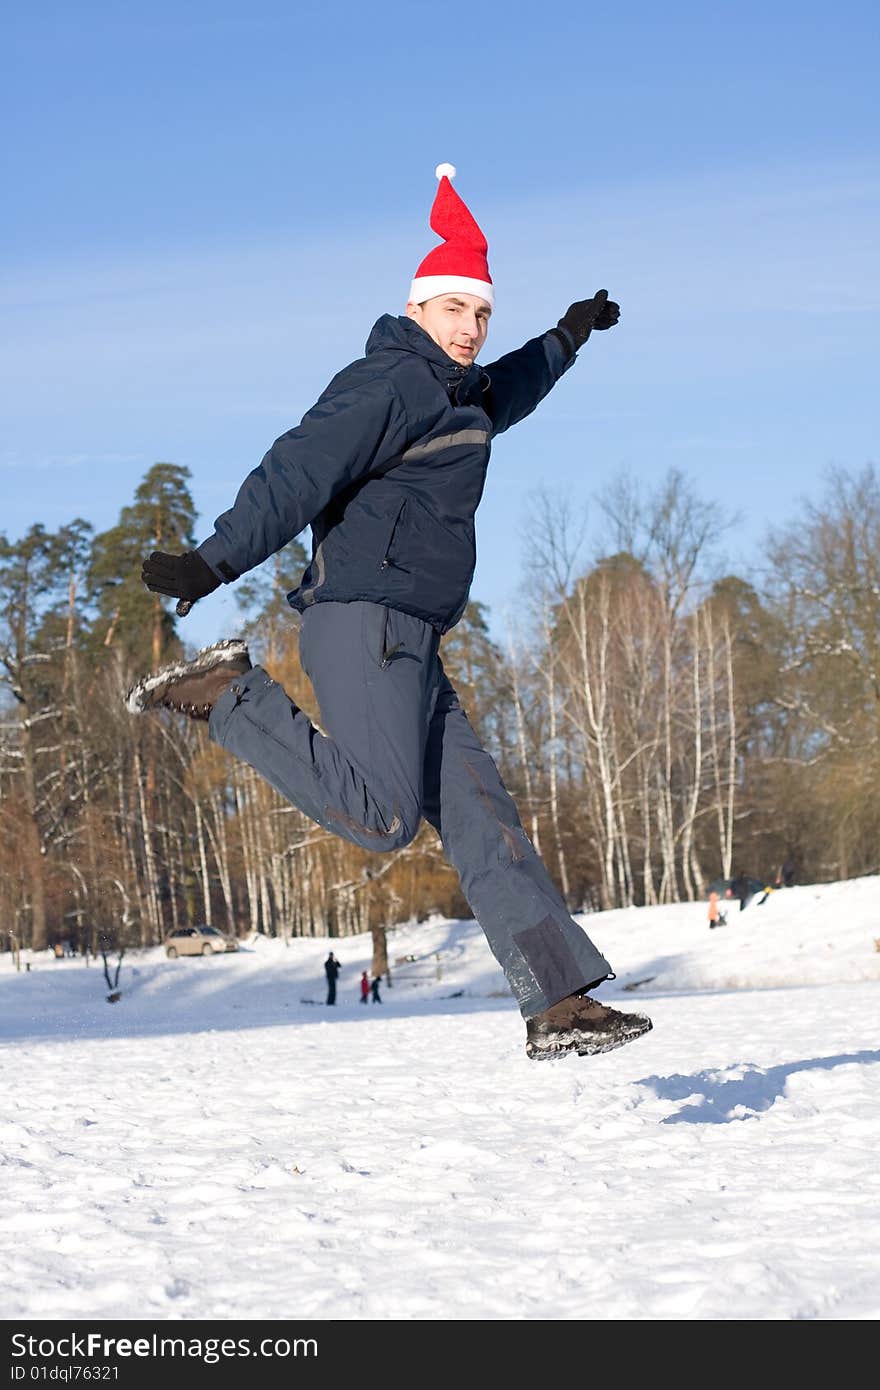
x=151 y=880
x=697 y=765
x=34 y=843
x=203 y=864
x=379 y=965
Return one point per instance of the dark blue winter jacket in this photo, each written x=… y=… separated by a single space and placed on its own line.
x=388 y=469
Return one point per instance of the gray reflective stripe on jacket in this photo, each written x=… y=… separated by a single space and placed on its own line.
x=446 y=441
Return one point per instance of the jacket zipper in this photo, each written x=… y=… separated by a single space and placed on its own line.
x=387 y=562
x=388 y=653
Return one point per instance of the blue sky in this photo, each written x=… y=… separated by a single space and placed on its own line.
x=207 y=207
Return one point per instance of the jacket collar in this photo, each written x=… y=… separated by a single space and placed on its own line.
x=402 y=334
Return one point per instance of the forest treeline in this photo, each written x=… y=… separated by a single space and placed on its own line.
x=660 y=723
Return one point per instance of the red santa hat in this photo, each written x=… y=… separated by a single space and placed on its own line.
x=460 y=264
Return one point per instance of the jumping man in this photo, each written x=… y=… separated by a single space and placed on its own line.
x=388 y=469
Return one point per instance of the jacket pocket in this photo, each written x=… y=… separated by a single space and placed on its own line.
x=383 y=638
x=387 y=561
x=385 y=651
x=396 y=638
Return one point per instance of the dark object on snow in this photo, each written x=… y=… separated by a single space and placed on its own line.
x=113 y=985
x=331 y=970
x=374 y=988
x=582 y=1025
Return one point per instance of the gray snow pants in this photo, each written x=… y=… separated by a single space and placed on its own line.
x=398 y=746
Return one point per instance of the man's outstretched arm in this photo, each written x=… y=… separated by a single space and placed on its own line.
x=520 y=380
x=344 y=436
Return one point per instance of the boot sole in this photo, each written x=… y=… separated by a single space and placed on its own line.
x=584 y=1046
x=138 y=698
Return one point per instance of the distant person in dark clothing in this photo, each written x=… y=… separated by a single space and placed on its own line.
x=375 y=988
x=743 y=890
x=365 y=987
x=785 y=877
x=331 y=970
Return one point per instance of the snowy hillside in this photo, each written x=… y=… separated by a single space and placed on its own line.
x=221 y=1145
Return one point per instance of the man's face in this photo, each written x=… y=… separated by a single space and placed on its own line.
x=458 y=323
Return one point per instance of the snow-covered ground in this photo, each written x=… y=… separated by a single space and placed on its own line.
x=220 y=1145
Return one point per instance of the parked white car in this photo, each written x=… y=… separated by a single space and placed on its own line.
x=198 y=941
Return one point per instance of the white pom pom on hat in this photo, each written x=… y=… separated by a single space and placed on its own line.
x=445 y=170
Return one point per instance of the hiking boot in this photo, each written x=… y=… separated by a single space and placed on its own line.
x=192 y=687
x=582 y=1025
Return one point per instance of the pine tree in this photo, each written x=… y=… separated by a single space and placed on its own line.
x=139 y=624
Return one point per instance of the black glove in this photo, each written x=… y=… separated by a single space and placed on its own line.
x=581 y=318
x=179 y=576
